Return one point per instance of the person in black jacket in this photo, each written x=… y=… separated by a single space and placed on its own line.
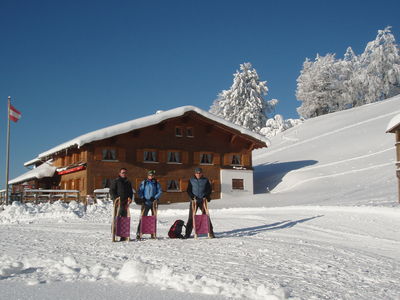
x=121 y=187
x=199 y=189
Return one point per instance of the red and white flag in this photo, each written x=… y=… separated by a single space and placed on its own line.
x=15 y=115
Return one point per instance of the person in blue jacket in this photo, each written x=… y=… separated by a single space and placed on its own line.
x=149 y=191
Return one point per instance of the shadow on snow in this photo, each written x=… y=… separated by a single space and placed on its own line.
x=250 y=231
x=268 y=176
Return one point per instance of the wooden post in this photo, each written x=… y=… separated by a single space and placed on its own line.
x=194 y=208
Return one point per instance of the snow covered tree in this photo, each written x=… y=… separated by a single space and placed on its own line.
x=377 y=76
x=243 y=104
x=318 y=87
x=351 y=89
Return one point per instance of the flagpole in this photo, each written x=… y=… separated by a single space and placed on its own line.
x=8 y=149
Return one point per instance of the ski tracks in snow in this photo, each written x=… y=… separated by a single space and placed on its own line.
x=260 y=253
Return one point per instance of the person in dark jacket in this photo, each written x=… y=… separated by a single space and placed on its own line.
x=121 y=187
x=199 y=189
x=149 y=191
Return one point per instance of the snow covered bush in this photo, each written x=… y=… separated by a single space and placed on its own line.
x=277 y=124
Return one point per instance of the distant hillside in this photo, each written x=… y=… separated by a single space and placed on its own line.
x=339 y=158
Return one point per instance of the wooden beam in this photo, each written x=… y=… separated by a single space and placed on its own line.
x=136 y=133
x=233 y=138
x=209 y=128
x=161 y=126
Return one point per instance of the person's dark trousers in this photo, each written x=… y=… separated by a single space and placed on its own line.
x=145 y=213
x=123 y=208
x=189 y=225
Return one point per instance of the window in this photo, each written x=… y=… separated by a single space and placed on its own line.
x=174 y=157
x=206 y=158
x=173 y=185
x=237 y=184
x=109 y=154
x=189 y=132
x=150 y=156
x=178 y=131
x=106 y=182
x=235 y=159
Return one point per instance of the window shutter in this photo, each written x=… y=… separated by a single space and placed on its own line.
x=98 y=154
x=98 y=182
x=227 y=159
x=246 y=159
x=161 y=156
x=121 y=154
x=216 y=159
x=139 y=155
x=196 y=158
x=137 y=183
x=184 y=184
x=163 y=182
x=216 y=185
x=185 y=157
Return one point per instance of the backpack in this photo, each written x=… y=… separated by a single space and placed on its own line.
x=175 y=232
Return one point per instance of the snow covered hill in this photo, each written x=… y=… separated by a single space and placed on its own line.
x=324 y=224
x=341 y=158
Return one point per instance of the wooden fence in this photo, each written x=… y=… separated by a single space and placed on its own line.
x=39 y=195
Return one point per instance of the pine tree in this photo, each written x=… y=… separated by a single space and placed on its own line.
x=243 y=104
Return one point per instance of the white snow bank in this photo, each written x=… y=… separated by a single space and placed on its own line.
x=44 y=170
x=29 y=212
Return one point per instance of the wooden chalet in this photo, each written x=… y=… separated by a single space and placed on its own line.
x=172 y=143
x=394 y=127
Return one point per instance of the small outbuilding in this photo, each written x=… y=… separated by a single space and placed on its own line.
x=394 y=127
x=171 y=142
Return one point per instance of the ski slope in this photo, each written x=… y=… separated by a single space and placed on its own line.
x=323 y=224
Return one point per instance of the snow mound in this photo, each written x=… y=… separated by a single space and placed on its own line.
x=166 y=278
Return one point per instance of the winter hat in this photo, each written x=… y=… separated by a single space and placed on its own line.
x=198 y=170
x=151 y=172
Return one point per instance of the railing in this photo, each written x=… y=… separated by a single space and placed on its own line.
x=101 y=194
x=38 y=196
x=2 y=196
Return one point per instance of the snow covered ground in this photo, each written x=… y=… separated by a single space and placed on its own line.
x=324 y=224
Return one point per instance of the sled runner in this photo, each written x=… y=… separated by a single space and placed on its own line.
x=201 y=223
x=120 y=226
x=148 y=224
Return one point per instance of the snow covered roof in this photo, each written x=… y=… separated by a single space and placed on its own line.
x=31 y=162
x=44 y=170
x=128 y=126
x=394 y=122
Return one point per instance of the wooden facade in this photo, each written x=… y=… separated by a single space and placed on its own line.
x=173 y=148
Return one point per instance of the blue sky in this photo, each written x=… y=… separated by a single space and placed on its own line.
x=76 y=66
